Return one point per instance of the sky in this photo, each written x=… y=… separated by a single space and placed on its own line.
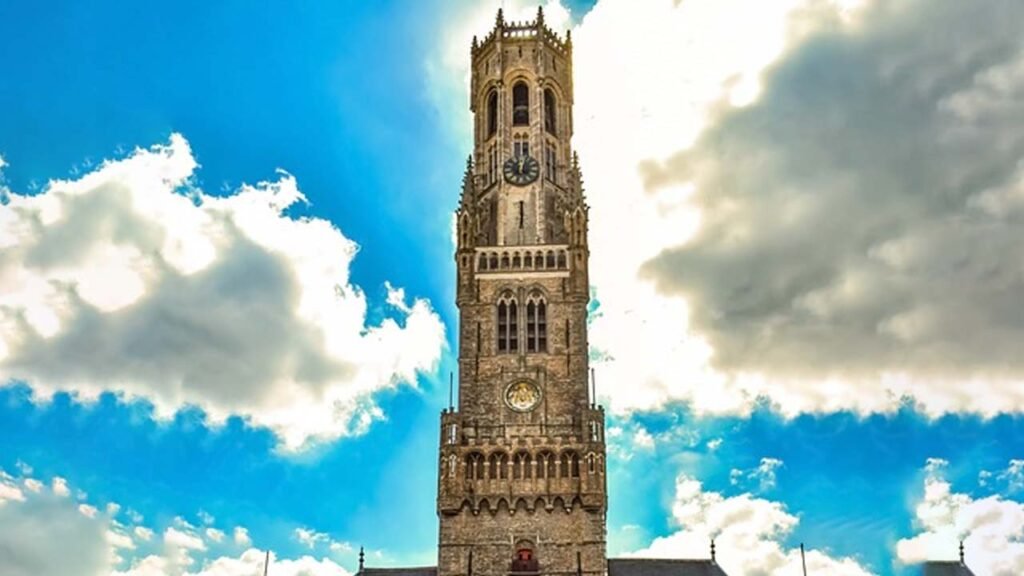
x=227 y=310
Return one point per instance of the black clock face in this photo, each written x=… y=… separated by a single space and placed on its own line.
x=521 y=170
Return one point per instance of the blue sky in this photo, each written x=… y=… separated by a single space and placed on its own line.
x=804 y=266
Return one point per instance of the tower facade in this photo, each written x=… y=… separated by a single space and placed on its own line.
x=521 y=486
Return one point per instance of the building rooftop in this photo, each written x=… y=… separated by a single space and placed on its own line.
x=948 y=568
x=662 y=567
x=402 y=571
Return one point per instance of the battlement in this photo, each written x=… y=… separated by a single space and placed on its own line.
x=532 y=30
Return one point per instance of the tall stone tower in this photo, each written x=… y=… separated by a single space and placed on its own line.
x=521 y=488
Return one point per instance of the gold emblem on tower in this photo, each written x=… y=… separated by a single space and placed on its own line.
x=522 y=396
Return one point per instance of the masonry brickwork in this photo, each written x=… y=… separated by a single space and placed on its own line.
x=521 y=485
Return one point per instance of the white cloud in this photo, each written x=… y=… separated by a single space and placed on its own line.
x=250 y=563
x=643 y=439
x=310 y=538
x=1013 y=476
x=44 y=533
x=241 y=536
x=133 y=280
x=992 y=529
x=748 y=534
x=60 y=486
x=87 y=510
x=762 y=475
x=9 y=491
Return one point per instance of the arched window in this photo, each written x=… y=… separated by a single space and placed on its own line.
x=520 y=104
x=492 y=113
x=550 y=161
x=536 y=324
x=508 y=324
x=521 y=466
x=550 y=113
x=545 y=465
x=499 y=466
x=570 y=464
x=474 y=466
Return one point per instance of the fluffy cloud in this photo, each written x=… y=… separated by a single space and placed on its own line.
x=992 y=528
x=860 y=220
x=44 y=533
x=748 y=534
x=131 y=279
x=762 y=476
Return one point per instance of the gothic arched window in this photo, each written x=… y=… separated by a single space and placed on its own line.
x=520 y=104
x=498 y=466
x=521 y=466
x=508 y=324
x=474 y=466
x=545 y=465
x=492 y=113
x=536 y=324
x=549 y=111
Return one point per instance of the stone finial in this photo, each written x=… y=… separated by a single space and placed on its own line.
x=362 y=558
x=474 y=42
x=712 y=549
x=540 y=16
x=499 y=21
x=961 y=551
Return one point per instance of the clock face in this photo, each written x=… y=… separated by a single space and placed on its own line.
x=522 y=396
x=521 y=170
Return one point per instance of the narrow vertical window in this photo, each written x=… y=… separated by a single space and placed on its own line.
x=520 y=213
x=531 y=326
x=536 y=324
x=550 y=161
x=550 y=113
x=513 y=327
x=520 y=104
x=542 y=327
x=502 y=326
x=492 y=113
x=508 y=324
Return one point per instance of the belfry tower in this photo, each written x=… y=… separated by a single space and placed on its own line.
x=522 y=485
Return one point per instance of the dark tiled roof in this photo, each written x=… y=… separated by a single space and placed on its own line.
x=952 y=568
x=418 y=571
x=662 y=567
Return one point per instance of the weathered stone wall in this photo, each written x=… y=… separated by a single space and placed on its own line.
x=555 y=536
x=522 y=477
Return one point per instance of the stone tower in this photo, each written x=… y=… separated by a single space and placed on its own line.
x=521 y=488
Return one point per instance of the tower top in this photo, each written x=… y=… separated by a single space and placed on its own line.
x=537 y=29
